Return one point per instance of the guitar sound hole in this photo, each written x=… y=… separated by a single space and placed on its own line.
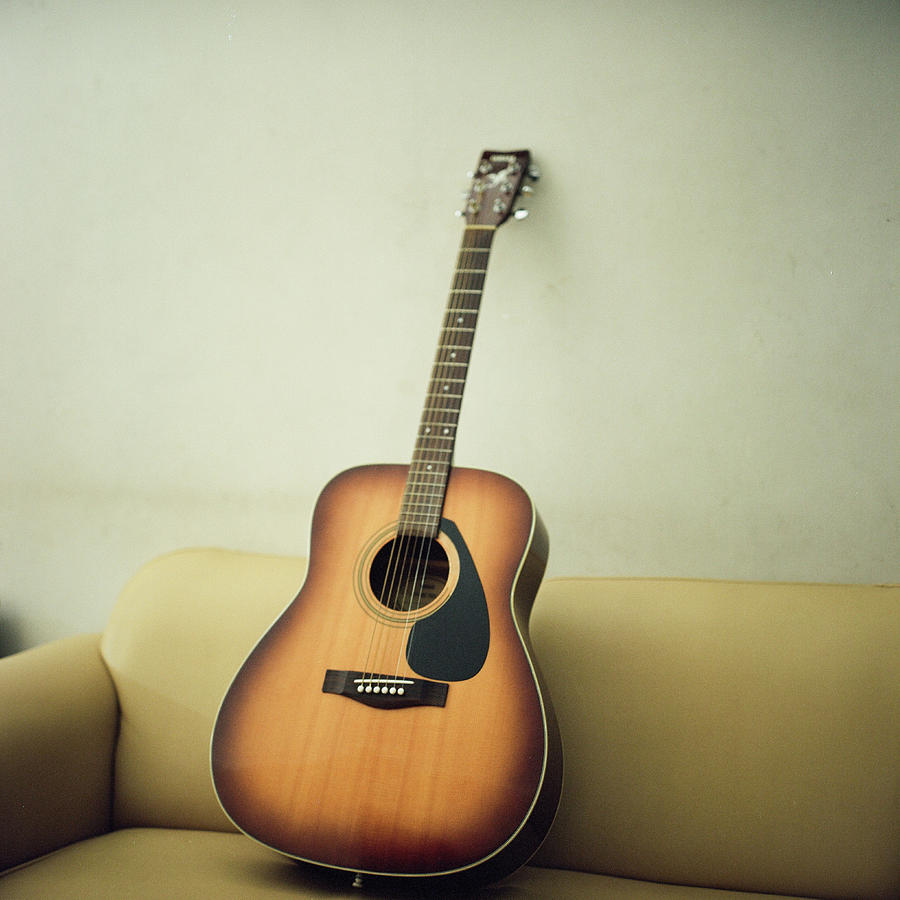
x=409 y=572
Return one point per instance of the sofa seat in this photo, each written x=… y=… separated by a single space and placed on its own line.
x=145 y=863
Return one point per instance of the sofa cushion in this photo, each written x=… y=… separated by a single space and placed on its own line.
x=149 y=863
x=724 y=733
x=177 y=635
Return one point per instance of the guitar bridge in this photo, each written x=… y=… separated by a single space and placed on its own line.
x=385 y=691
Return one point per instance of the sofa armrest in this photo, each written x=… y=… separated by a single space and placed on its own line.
x=58 y=723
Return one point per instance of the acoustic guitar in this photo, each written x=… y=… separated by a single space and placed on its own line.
x=392 y=722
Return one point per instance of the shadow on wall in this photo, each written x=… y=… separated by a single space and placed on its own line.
x=10 y=636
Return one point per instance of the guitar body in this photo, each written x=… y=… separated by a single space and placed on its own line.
x=392 y=721
x=400 y=730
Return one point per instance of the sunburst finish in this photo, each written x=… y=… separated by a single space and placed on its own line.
x=392 y=720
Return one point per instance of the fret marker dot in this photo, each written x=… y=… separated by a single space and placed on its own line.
x=453 y=355
x=459 y=320
x=446 y=431
x=427 y=431
x=446 y=387
x=429 y=467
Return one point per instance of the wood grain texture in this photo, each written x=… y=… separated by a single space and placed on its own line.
x=470 y=787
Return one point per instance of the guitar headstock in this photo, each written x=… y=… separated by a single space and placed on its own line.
x=497 y=182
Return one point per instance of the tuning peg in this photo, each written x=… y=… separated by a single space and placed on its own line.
x=520 y=213
x=526 y=189
x=534 y=173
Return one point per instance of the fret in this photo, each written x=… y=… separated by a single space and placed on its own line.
x=426 y=523
x=415 y=499
x=427 y=452
x=434 y=502
x=472 y=277
x=433 y=450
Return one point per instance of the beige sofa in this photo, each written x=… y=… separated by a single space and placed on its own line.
x=719 y=737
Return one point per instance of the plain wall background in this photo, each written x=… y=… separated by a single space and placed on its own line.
x=228 y=239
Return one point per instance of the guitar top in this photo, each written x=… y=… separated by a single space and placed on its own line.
x=392 y=723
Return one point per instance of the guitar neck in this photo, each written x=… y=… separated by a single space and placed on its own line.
x=426 y=485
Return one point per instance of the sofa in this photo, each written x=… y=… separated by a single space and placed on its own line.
x=722 y=739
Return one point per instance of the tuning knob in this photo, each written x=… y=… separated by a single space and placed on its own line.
x=534 y=173
x=520 y=213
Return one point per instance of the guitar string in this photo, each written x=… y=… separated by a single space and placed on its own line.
x=398 y=588
x=422 y=496
x=410 y=555
x=427 y=499
x=468 y=283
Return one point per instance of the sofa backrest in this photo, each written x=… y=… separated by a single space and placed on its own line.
x=740 y=735
x=716 y=733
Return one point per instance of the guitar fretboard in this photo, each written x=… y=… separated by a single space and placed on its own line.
x=426 y=485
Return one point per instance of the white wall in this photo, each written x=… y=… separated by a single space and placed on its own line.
x=228 y=238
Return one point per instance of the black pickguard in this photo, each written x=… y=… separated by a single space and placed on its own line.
x=452 y=643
